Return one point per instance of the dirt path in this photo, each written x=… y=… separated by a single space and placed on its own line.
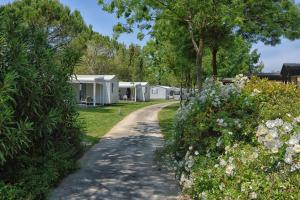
x=121 y=166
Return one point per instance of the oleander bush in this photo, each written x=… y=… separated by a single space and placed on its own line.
x=40 y=137
x=239 y=141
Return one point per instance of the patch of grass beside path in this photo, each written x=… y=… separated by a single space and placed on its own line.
x=100 y=120
x=166 y=120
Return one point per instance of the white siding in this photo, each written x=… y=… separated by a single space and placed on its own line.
x=159 y=93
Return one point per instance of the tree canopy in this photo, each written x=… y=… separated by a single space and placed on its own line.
x=209 y=23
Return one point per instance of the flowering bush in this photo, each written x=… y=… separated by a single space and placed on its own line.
x=239 y=141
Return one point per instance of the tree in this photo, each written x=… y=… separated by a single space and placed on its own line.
x=38 y=119
x=255 y=20
x=97 y=57
x=235 y=58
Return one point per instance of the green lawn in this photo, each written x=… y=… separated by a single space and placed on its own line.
x=166 y=119
x=100 y=120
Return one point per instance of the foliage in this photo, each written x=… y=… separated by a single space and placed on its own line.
x=239 y=141
x=40 y=136
x=237 y=58
x=208 y=23
x=102 y=55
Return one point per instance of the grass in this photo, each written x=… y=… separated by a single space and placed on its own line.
x=166 y=120
x=100 y=120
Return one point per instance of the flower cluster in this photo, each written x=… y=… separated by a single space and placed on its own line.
x=240 y=80
x=273 y=136
x=217 y=92
x=234 y=147
x=184 y=110
x=222 y=123
x=185 y=178
x=255 y=92
x=292 y=152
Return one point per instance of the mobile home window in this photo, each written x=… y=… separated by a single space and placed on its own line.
x=154 y=91
x=112 y=87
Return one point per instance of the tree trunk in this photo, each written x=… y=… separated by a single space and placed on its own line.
x=214 y=52
x=199 y=57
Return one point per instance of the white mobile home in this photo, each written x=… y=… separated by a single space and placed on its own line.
x=160 y=92
x=134 y=91
x=95 y=89
x=179 y=93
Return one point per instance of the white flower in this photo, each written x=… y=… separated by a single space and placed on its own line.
x=185 y=181
x=288 y=159
x=296 y=148
x=221 y=123
x=255 y=92
x=229 y=169
x=237 y=123
x=230 y=133
x=287 y=127
x=297 y=119
x=253 y=195
x=294 y=139
x=274 y=123
x=196 y=153
x=261 y=130
x=227 y=148
x=223 y=162
x=208 y=154
x=203 y=195
x=274 y=150
x=278 y=122
x=295 y=167
x=269 y=137
x=254 y=155
x=190 y=148
x=219 y=142
x=222 y=186
x=273 y=132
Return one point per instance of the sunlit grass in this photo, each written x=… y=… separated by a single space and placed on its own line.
x=166 y=119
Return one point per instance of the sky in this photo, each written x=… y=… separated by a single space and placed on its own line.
x=102 y=22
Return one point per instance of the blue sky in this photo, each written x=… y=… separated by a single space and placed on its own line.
x=102 y=22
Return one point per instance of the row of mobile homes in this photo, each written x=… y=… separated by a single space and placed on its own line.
x=95 y=89
x=134 y=91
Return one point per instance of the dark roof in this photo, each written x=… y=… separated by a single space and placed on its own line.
x=227 y=80
x=290 y=69
x=270 y=76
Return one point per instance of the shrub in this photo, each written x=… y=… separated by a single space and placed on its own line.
x=39 y=133
x=239 y=141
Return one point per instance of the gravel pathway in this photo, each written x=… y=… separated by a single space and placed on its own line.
x=121 y=165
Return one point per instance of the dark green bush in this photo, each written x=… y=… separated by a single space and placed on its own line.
x=40 y=138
